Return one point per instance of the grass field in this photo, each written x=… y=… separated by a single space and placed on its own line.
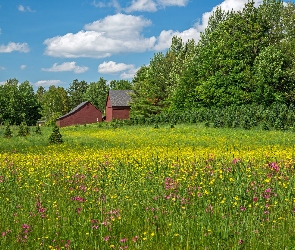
x=136 y=187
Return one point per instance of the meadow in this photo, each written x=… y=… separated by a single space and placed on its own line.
x=140 y=187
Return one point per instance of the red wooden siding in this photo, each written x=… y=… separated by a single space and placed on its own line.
x=85 y=115
x=120 y=113
x=109 y=110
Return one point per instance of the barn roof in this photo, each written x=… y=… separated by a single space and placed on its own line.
x=81 y=105
x=120 y=97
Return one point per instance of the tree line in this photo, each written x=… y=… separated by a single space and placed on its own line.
x=242 y=58
x=20 y=104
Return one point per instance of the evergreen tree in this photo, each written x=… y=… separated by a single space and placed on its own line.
x=55 y=137
x=7 y=132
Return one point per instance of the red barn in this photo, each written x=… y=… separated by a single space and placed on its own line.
x=84 y=113
x=118 y=105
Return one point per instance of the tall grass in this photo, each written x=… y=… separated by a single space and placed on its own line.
x=189 y=187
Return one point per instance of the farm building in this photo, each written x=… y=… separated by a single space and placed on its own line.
x=84 y=113
x=118 y=105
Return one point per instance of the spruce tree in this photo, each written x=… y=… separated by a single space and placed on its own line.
x=56 y=136
x=7 y=133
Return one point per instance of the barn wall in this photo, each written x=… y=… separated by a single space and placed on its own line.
x=121 y=113
x=87 y=114
x=109 y=110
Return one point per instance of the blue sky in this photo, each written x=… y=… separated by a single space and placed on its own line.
x=54 y=42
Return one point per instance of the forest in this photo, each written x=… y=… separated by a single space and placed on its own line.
x=244 y=60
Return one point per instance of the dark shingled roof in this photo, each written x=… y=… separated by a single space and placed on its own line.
x=73 y=110
x=120 y=97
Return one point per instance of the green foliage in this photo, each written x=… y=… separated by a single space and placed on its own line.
x=55 y=102
x=76 y=92
x=242 y=58
x=154 y=85
x=120 y=85
x=55 y=137
x=18 y=103
x=24 y=130
x=38 y=130
x=96 y=93
x=7 y=132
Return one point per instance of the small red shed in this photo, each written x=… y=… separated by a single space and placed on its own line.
x=84 y=113
x=118 y=105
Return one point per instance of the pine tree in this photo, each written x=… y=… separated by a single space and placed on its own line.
x=56 y=136
x=22 y=130
x=7 y=133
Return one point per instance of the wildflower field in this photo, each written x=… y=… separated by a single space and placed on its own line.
x=138 y=187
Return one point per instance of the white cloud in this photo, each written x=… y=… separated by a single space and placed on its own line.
x=173 y=2
x=129 y=74
x=153 y=5
x=113 y=3
x=21 y=8
x=25 y=9
x=67 y=66
x=112 y=35
x=2 y=68
x=22 y=67
x=21 y=47
x=113 y=67
x=165 y=38
x=142 y=5
x=0 y=31
x=47 y=83
x=2 y=83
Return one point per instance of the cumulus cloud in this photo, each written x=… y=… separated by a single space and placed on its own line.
x=2 y=68
x=165 y=38
x=142 y=5
x=66 y=66
x=153 y=5
x=127 y=70
x=112 y=35
x=46 y=83
x=113 y=67
x=21 y=8
x=2 y=83
x=21 y=47
x=22 y=67
x=129 y=73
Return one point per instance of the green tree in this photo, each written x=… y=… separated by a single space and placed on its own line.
x=40 y=94
x=97 y=93
x=55 y=103
x=56 y=136
x=120 y=85
x=155 y=85
x=19 y=103
x=221 y=72
x=76 y=92
x=28 y=103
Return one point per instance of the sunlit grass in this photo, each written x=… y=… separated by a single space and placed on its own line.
x=189 y=187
